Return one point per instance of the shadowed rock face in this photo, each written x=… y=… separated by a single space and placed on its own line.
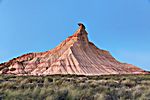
x=75 y=55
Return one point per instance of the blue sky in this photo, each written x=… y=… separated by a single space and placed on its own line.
x=119 y=26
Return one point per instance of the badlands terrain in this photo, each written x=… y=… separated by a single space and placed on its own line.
x=75 y=55
x=74 y=70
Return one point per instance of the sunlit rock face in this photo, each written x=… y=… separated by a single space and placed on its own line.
x=75 y=55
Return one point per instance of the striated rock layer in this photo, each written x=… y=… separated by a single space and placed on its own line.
x=75 y=55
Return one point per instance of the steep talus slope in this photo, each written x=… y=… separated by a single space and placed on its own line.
x=75 y=55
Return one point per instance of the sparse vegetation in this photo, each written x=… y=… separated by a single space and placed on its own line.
x=72 y=87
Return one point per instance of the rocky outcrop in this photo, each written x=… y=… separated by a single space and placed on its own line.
x=75 y=55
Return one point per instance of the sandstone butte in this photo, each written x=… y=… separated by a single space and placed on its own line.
x=76 y=55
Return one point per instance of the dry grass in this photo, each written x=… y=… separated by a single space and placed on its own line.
x=72 y=87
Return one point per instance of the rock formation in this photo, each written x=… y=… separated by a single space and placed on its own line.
x=75 y=55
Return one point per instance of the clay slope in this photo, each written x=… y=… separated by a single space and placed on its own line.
x=75 y=55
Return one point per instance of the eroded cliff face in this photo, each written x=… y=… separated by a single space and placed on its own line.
x=75 y=55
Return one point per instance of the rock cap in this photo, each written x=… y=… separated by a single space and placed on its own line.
x=81 y=25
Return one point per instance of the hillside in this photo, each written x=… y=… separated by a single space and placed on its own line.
x=75 y=55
